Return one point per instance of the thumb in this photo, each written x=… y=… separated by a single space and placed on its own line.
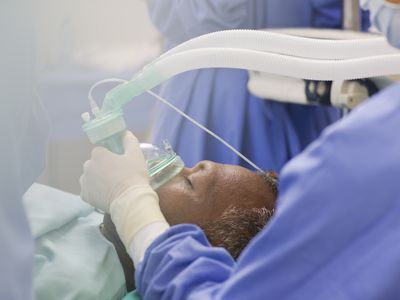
x=131 y=142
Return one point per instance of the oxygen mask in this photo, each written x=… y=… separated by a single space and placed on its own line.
x=106 y=128
x=162 y=164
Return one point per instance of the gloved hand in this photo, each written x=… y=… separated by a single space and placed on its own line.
x=106 y=176
x=119 y=184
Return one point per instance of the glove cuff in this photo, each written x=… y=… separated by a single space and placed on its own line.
x=136 y=208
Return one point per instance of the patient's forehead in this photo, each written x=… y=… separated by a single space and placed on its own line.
x=243 y=188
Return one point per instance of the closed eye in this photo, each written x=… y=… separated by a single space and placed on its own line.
x=188 y=181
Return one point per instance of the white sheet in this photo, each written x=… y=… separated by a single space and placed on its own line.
x=72 y=259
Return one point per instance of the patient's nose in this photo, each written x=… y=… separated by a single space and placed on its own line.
x=201 y=166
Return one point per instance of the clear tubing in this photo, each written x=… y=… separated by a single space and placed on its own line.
x=92 y=102
x=295 y=67
x=280 y=43
x=206 y=130
x=303 y=60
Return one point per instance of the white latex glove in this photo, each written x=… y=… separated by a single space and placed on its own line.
x=119 y=184
x=107 y=175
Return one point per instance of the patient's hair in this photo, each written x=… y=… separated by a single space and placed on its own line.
x=234 y=229
x=271 y=179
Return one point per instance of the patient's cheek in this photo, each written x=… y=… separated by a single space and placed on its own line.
x=181 y=210
x=171 y=205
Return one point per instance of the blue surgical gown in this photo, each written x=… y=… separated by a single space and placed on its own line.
x=335 y=234
x=268 y=133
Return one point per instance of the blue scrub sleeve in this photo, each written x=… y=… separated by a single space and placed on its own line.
x=166 y=270
x=180 y=20
x=334 y=234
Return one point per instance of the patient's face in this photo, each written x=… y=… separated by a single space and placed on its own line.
x=202 y=193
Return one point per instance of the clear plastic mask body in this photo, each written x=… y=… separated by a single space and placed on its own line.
x=162 y=164
x=108 y=131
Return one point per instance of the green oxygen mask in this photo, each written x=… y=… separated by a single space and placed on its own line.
x=108 y=130
x=108 y=126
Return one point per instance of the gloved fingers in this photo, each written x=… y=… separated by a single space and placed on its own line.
x=83 y=189
x=83 y=180
x=107 y=175
x=83 y=183
x=134 y=153
x=86 y=166
x=100 y=152
x=90 y=198
x=131 y=143
x=90 y=168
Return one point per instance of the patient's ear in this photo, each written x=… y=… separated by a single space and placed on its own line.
x=110 y=233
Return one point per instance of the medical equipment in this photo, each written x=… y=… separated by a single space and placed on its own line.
x=340 y=93
x=351 y=15
x=219 y=98
x=162 y=165
x=168 y=168
x=275 y=53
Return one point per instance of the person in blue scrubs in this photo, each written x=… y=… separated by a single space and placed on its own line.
x=335 y=233
x=267 y=132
